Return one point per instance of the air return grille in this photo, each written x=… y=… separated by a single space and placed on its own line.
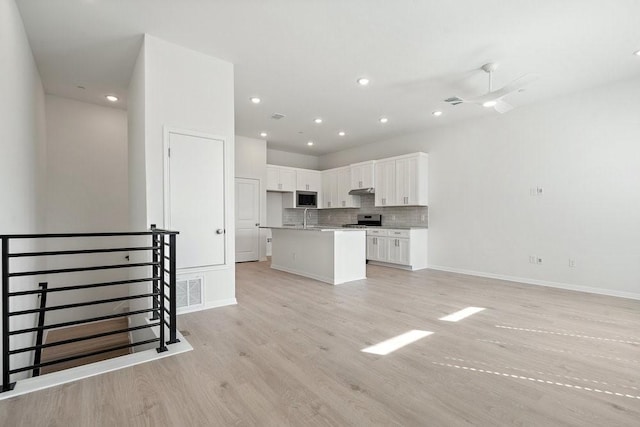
x=189 y=292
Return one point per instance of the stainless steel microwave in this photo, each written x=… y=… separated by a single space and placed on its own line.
x=306 y=199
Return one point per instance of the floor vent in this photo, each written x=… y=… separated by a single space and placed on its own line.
x=189 y=292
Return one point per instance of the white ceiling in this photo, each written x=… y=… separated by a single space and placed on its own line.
x=302 y=57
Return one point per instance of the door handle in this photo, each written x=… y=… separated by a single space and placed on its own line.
x=220 y=231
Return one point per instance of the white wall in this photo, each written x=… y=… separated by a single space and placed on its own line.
x=294 y=160
x=86 y=191
x=180 y=88
x=87 y=177
x=581 y=149
x=22 y=158
x=251 y=162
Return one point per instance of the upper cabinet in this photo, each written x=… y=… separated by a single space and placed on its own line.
x=336 y=184
x=281 y=178
x=362 y=175
x=385 y=183
x=402 y=181
x=308 y=180
x=398 y=181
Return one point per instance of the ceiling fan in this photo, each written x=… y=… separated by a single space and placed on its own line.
x=494 y=98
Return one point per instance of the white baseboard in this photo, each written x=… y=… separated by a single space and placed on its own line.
x=566 y=286
x=219 y=303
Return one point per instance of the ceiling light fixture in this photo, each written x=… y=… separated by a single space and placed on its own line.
x=383 y=120
x=341 y=133
x=489 y=104
x=363 y=81
x=310 y=143
x=263 y=134
x=437 y=113
x=112 y=98
x=255 y=100
x=317 y=120
x=637 y=53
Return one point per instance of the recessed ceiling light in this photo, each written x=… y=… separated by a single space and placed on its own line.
x=363 y=81
x=317 y=120
x=263 y=134
x=310 y=143
x=341 y=133
x=437 y=113
x=255 y=100
x=637 y=53
x=111 y=98
x=383 y=120
x=489 y=104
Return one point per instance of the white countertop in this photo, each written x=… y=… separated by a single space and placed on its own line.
x=314 y=228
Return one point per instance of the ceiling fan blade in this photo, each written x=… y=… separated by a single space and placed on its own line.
x=502 y=107
x=491 y=96
x=514 y=86
x=518 y=84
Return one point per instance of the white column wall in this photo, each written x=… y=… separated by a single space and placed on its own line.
x=180 y=88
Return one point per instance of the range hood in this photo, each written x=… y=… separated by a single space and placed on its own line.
x=361 y=191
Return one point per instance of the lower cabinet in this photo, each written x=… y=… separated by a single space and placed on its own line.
x=398 y=248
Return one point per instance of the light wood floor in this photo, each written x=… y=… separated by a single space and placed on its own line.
x=83 y=347
x=289 y=354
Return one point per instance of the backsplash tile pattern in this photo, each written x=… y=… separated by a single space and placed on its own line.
x=295 y=216
x=400 y=215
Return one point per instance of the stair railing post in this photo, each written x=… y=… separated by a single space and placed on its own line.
x=156 y=271
x=6 y=377
x=173 y=317
x=161 y=344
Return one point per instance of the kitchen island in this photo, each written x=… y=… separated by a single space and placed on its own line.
x=329 y=254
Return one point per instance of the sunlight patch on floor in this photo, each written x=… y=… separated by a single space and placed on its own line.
x=459 y=315
x=392 y=344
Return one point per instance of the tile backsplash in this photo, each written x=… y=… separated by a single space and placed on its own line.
x=399 y=215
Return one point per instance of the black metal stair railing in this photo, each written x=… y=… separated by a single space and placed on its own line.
x=162 y=296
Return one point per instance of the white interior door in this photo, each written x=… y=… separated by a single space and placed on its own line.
x=247 y=219
x=196 y=199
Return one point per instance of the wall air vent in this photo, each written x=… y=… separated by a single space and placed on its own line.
x=277 y=116
x=189 y=292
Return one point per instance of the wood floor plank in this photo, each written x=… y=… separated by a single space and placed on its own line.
x=289 y=354
x=86 y=346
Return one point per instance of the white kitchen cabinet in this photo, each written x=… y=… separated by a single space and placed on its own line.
x=406 y=249
x=377 y=248
x=336 y=184
x=329 y=189
x=362 y=175
x=385 y=183
x=402 y=181
x=308 y=180
x=399 y=250
x=280 y=178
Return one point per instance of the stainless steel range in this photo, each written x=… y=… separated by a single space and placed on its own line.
x=366 y=221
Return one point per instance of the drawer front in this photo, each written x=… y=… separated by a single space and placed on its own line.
x=399 y=233
x=371 y=232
